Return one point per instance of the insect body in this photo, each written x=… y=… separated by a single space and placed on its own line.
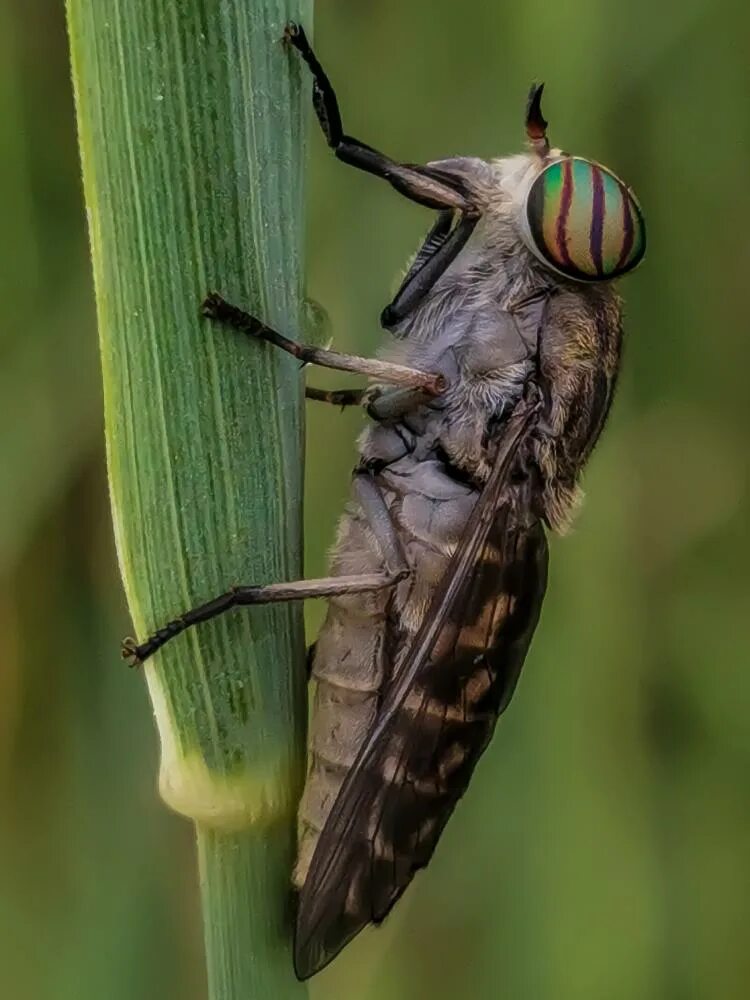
x=507 y=350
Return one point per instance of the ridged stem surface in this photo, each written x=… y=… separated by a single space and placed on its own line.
x=191 y=127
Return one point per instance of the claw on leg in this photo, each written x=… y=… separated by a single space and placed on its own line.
x=291 y=31
x=209 y=305
x=129 y=651
x=215 y=307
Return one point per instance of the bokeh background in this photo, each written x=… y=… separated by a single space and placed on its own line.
x=604 y=848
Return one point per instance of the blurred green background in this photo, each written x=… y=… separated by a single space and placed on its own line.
x=604 y=848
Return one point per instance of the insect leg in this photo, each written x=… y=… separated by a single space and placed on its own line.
x=380 y=521
x=418 y=283
x=272 y=593
x=425 y=185
x=380 y=403
x=337 y=397
x=394 y=402
x=309 y=657
x=215 y=307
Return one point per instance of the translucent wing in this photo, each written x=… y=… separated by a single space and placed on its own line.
x=436 y=719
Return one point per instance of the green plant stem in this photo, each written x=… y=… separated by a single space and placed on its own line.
x=191 y=129
x=248 y=956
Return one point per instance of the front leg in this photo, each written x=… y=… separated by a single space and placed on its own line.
x=216 y=308
x=428 y=186
x=439 y=251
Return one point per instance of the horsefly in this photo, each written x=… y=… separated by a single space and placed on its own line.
x=508 y=335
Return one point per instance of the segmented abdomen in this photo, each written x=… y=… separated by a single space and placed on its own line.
x=365 y=636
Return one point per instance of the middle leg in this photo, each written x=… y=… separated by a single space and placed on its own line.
x=380 y=403
x=336 y=397
x=216 y=308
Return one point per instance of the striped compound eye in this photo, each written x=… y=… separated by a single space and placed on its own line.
x=583 y=221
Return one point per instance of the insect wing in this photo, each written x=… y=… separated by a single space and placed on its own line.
x=436 y=719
